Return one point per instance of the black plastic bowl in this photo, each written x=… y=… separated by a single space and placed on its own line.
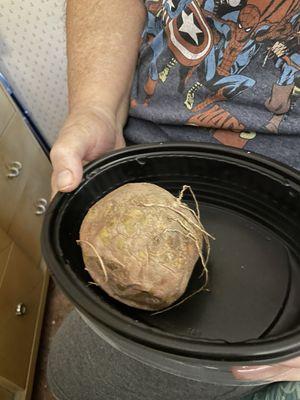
x=249 y=203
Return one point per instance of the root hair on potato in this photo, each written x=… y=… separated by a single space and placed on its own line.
x=203 y=287
x=149 y=264
x=181 y=194
x=190 y=235
x=197 y=226
x=97 y=255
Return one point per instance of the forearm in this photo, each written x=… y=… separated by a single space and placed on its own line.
x=214 y=17
x=103 y=39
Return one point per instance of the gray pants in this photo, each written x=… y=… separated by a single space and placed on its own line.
x=84 y=367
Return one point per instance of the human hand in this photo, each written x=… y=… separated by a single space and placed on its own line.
x=285 y=371
x=87 y=133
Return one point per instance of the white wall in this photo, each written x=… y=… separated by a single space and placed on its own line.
x=32 y=58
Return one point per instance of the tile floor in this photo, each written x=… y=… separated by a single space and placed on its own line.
x=57 y=308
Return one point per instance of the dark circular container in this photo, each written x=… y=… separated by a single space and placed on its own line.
x=251 y=315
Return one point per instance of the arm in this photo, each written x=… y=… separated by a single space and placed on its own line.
x=217 y=19
x=103 y=41
x=221 y=25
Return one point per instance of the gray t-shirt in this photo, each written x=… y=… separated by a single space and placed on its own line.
x=221 y=71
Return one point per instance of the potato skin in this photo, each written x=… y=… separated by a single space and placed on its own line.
x=147 y=254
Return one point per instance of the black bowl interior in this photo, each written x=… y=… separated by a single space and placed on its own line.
x=249 y=204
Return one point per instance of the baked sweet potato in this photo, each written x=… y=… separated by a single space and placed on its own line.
x=140 y=244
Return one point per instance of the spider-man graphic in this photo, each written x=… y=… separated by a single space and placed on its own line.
x=242 y=34
x=215 y=43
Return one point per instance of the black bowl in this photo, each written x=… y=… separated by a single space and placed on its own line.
x=249 y=203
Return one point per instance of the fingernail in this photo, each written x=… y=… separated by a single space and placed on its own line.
x=252 y=370
x=264 y=372
x=64 y=179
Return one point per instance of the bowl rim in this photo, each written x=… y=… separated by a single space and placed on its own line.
x=264 y=350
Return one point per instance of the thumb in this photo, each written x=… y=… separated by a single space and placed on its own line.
x=287 y=370
x=120 y=142
x=67 y=167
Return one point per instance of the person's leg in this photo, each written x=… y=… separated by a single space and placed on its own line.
x=83 y=367
x=277 y=391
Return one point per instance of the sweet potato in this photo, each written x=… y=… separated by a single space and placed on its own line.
x=140 y=244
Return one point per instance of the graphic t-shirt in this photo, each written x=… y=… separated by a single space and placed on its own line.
x=223 y=71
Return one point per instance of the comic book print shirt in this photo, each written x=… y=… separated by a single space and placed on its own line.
x=228 y=68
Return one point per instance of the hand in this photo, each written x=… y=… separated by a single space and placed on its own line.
x=87 y=133
x=285 y=371
x=279 y=49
